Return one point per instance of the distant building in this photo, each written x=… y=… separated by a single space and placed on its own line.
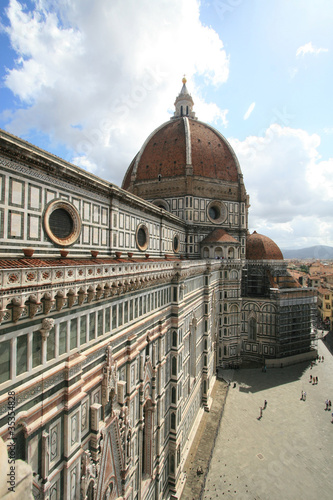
x=118 y=306
x=299 y=276
x=325 y=305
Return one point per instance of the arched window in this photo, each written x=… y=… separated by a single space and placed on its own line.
x=173 y=395
x=147 y=439
x=231 y=253
x=206 y=253
x=174 y=366
x=174 y=339
x=252 y=329
x=181 y=111
x=172 y=464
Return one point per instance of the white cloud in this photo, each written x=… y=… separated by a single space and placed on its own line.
x=290 y=187
x=308 y=48
x=249 y=111
x=97 y=77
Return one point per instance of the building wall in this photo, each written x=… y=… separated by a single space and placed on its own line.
x=195 y=210
x=325 y=304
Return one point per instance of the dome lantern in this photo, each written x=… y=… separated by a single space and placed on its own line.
x=184 y=103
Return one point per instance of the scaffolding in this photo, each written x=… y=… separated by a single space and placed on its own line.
x=255 y=281
x=296 y=321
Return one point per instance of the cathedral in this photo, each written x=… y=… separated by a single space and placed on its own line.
x=120 y=306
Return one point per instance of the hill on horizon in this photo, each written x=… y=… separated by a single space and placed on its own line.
x=321 y=252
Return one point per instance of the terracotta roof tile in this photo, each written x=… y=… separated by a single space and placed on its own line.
x=219 y=235
x=260 y=247
x=165 y=154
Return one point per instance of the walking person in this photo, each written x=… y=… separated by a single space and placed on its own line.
x=304 y=396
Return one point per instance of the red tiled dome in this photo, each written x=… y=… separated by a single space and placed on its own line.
x=219 y=235
x=182 y=148
x=260 y=247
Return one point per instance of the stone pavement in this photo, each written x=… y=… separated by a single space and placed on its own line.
x=203 y=444
x=288 y=454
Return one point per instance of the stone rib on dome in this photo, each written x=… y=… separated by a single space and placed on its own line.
x=260 y=247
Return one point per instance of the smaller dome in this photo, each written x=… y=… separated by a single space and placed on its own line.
x=219 y=235
x=260 y=247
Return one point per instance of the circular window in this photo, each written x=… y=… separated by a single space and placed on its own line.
x=62 y=223
x=176 y=243
x=142 y=237
x=217 y=212
x=214 y=212
x=161 y=204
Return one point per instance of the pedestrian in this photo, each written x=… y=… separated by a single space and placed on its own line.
x=310 y=379
x=326 y=403
x=265 y=404
x=322 y=359
x=329 y=404
x=332 y=417
x=316 y=380
x=304 y=396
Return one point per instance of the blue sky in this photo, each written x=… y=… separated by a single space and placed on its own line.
x=89 y=81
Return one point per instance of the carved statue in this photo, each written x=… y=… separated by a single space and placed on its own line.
x=88 y=474
x=47 y=325
x=45 y=454
x=109 y=382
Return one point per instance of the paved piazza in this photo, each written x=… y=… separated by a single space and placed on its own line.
x=288 y=454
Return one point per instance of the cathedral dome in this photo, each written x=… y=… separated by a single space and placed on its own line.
x=186 y=157
x=260 y=247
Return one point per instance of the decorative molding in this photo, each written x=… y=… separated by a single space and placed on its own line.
x=45 y=179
